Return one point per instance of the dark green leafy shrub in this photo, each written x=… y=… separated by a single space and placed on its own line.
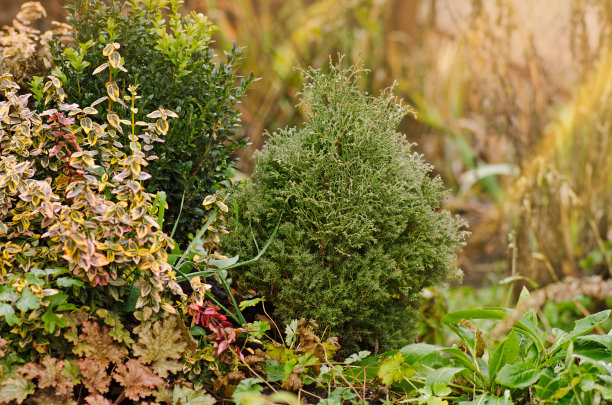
x=360 y=230
x=171 y=59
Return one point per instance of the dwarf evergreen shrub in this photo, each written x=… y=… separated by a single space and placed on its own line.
x=360 y=231
x=172 y=60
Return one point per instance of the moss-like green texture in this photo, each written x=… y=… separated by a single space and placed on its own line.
x=360 y=230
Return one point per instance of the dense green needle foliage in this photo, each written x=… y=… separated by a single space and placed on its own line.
x=171 y=59
x=360 y=230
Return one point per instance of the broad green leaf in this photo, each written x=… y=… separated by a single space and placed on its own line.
x=463 y=358
x=258 y=328
x=51 y=321
x=395 y=369
x=518 y=375
x=582 y=327
x=28 y=301
x=274 y=370
x=506 y=353
x=604 y=340
x=245 y=389
x=7 y=294
x=441 y=376
x=487 y=399
x=8 y=312
x=480 y=313
x=69 y=282
x=222 y=263
x=415 y=352
x=441 y=390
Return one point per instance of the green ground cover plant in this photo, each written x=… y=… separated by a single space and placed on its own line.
x=360 y=232
x=175 y=67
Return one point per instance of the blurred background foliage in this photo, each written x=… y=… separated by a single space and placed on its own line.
x=513 y=101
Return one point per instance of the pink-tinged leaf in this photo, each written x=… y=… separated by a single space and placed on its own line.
x=49 y=374
x=99 y=345
x=137 y=379
x=97 y=400
x=95 y=377
x=98 y=101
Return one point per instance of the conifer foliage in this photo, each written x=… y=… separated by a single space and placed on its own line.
x=360 y=232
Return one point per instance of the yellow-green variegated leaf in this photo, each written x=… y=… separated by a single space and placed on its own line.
x=113 y=90
x=108 y=49
x=113 y=120
x=114 y=59
x=90 y=110
x=134 y=146
x=86 y=124
x=162 y=125
x=100 y=68
x=209 y=199
x=222 y=206
x=98 y=101
x=55 y=81
x=154 y=114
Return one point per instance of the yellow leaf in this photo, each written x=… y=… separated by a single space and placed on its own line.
x=168 y=308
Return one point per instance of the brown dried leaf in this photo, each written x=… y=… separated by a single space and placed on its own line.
x=49 y=374
x=138 y=379
x=162 y=346
x=98 y=345
x=95 y=377
x=293 y=383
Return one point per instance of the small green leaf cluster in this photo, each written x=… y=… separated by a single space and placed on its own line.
x=360 y=232
x=172 y=61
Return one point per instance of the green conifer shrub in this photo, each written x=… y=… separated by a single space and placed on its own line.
x=172 y=60
x=360 y=232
